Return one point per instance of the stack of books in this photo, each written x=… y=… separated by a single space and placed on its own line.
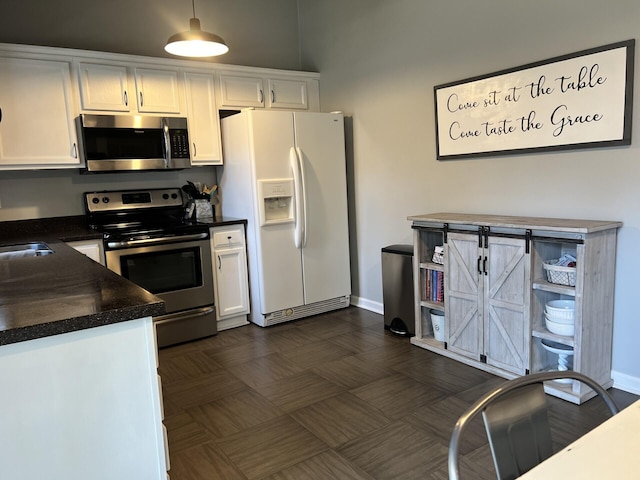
x=435 y=286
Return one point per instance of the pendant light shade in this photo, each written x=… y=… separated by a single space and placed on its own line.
x=195 y=42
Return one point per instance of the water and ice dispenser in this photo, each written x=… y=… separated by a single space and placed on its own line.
x=276 y=201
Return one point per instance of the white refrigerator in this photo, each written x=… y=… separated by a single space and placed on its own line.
x=285 y=172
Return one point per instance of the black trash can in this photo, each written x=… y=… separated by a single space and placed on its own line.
x=397 y=289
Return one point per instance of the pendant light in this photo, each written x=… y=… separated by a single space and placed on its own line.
x=195 y=42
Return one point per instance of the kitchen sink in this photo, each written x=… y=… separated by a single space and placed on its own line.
x=34 y=249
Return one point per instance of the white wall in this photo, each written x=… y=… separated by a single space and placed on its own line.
x=379 y=61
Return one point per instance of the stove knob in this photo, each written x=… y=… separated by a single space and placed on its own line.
x=95 y=200
x=105 y=199
x=174 y=195
x=165 y=196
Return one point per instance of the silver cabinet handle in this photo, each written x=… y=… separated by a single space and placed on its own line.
x=0 y=114
x=273 y=96
x=74 y=153
x=195 y=150
x=126 y=99
x=219 y=263
x=141 y=99
x=261 y=96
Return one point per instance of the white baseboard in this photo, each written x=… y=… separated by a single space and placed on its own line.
x=370 y=305
x=621 y=381
x=625 y=382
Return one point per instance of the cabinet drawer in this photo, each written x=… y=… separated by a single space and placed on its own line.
x=226 y=238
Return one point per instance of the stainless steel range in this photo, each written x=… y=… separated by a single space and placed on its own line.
x=148 y=241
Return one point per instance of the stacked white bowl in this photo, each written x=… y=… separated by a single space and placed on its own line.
x=559 y=317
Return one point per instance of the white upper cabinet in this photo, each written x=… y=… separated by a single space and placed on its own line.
x=44 y=89
x=204 y=124
x=104 y=87
x=107 y=88
x=241 y=91
x=287 y=94
x=37 y=112
x=247 y=91
x=157 y=91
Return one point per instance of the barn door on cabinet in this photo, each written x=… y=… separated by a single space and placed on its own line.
x=463 y=294
x=507 y=287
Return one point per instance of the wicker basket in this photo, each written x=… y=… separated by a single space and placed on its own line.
x=560 y=275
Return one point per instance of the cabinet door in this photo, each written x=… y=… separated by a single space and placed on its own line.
x=202 y=115
x=463 y=295
x=90 y=248
x=37 y=114
x=103 y=87
x=157 y=91
x=231 y=281
x=507 y=287
x=291 y=94
x=241 y=91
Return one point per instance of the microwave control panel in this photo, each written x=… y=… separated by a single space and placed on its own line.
x=179 y=144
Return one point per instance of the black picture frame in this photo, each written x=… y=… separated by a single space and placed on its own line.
x=580 y=100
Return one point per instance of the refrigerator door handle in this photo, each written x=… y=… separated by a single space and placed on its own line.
x=303 y=179
x=299 y=198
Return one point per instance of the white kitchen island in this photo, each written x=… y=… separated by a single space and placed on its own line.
x=83 y=405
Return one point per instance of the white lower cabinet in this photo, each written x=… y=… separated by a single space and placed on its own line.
x=83 y=405
x=496 y=290
x=91 y=248
x=230 y=275
x=37 y=114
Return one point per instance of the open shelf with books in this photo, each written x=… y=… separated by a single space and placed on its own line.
x=430 y=283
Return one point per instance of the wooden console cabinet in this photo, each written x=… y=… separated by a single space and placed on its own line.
x=495 y=291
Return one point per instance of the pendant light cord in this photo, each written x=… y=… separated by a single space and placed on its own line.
x=193 y=5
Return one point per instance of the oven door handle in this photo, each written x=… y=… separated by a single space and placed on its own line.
x=157 y=241
x=198 y=312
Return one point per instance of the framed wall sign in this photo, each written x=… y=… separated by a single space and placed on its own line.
x=578 y=100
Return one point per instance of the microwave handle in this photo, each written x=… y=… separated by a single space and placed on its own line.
x=167 y=142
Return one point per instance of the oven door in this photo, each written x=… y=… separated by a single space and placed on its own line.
x=180 y=273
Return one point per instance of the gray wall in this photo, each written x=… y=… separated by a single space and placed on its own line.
x=58 y=193
x=379 y=61
x=259 y=33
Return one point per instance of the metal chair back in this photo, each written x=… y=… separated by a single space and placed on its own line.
x=517 y=423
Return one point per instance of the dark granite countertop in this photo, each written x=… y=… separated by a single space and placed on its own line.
x=64 y=291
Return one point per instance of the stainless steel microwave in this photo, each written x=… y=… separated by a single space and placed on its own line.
x=113 y=143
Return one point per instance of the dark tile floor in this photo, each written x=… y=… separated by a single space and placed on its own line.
x=328 y=397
